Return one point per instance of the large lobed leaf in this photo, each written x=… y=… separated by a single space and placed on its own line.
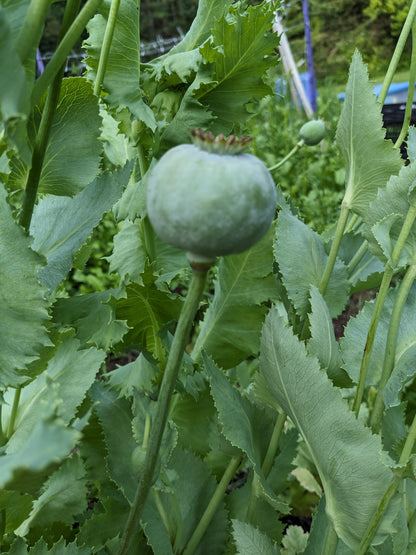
x=243 y=283
x=72 y=157
x=23 y=305
x=369 y=159
x=346 y=454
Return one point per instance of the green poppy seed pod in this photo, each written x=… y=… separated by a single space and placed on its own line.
x=312 y=132
x=211 y=198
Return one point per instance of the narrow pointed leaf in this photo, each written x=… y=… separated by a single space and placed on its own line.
x=369 y=159
x=251 y=541
x=346 y=454
x=23 y=305
x=62 y=498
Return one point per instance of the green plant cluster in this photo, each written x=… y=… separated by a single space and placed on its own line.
x=239 y=417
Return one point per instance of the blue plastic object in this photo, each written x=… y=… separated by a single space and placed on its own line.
x=397 y=93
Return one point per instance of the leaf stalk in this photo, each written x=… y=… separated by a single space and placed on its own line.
x=212 y=506
x=391 y=344
x=170 y=375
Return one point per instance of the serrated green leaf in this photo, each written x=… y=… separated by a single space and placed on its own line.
x=244 y=281
x=72 y=157
x=301 y=256
x=353 y=345
x=386 y=215
x=240 y=51
x=136 y=244
x=369 y=159
x=41 y=547
x=61 y=225
x=24 y=308
x=307 y=480
x=101 y=527
x=146 y=310
x=93 y=317
x=294 y=541
x=69 y=374
x=237 y=416
x=190 y=491
x=346 y=454
x=208 y=13
x=137 y=375
x=62 y=498
x=18 y=506
x=322 y=343
x=115 y=415
x=122 y=74
x=26 y=469
x=251 y=541
x=14 y=93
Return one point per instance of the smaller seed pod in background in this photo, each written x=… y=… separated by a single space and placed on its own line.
x=312 y=132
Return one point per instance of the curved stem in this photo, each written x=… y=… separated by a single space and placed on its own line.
x=397 y=53
x=410 y=92
x=391 y=344
x=371 y=334
x=294 y=150
x=212 y=506
x=31 y=30
x=330 y=541
x=274 y=444
x=339 y=231
x=170 y=375
x=358 y=256
x=42 y=137
x=13 y=414
x=267 y=464
x=381 y=297
x=64 y=48
x=106 y=45
x=398 y=474
x=3 y=438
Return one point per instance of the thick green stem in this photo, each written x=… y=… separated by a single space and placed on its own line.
x=391 y=344
x=266 y=466
x=381 y=297
x=64 y=48
x=106 y=45
x=32 y=27
x=42 y=137
x=13 y=414
x=397 y=53
x=371 y=334
x=339 y=231
x=274 y=444
x=330 y=541
x=3 y=438
x=398 y=475
x=294 y=150
x=212 y=506
x=410 y=92
x=358 y=256
x=170 y=375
